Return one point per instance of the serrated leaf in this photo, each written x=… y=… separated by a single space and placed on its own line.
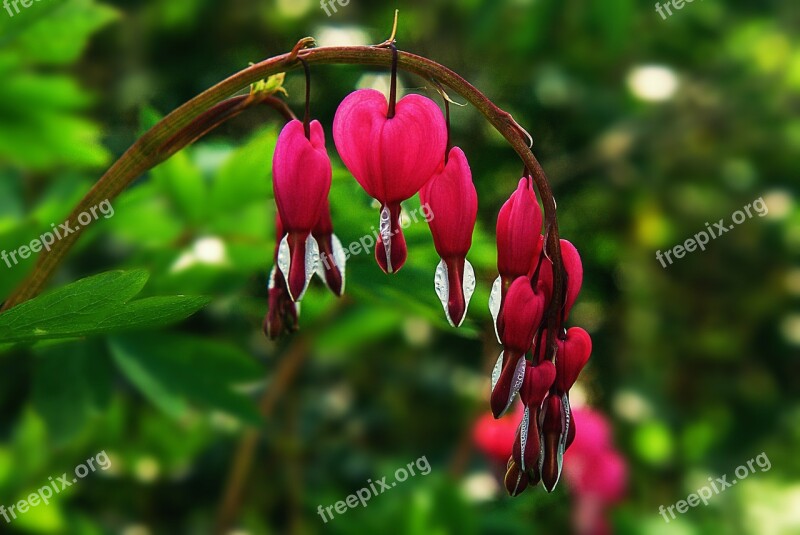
x=95 y=305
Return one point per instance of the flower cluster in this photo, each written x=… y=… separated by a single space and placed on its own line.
x=520 y=297
x=394 y=150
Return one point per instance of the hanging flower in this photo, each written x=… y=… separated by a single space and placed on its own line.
x=573 y=270
x=519 y=226
x=558 y=428
x=453 y=203
x=301 y=179
x=538 y=380
x=524 y=311
x=391 y=156
x=282 y=312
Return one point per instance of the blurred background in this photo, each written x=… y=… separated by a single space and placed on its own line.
x=649 y=127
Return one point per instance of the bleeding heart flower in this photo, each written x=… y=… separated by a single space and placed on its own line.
x=519 y=226
x=538 y=380
x=332 y=257
x=573 y=354
x=516 y=480
x=301 y=179
x=573 y=269
x=524 y=314
x=524 y=311
x=555 y=424
x=453 y=204
x=392 y=158
x=495 y=437
x=282 y=312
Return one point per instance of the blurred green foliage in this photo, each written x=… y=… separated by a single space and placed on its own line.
x=696 y=363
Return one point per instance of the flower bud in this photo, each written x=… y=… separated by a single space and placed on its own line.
x=453 y=204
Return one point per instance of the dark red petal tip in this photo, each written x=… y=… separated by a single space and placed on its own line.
x=516 y=480
x=390 y=249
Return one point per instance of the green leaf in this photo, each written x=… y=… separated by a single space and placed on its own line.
x=148 y=382
x=357 y=329
x=70 y=382
x=95 y=305
x=183 y=183
x=41 y=126
x=174 y=370
x=144 y=220
x=61 y=37
x=247 y=175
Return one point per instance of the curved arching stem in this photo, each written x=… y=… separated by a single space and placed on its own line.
x=148 y=151
x=218 y=114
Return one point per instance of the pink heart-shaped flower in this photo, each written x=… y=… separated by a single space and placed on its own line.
x=391 y=158
x=573 y=354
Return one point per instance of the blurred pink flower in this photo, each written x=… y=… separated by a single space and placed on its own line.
x=495 y=437
x=595 y=471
